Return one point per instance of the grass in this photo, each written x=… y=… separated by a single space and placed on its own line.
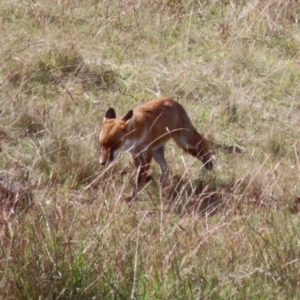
x=227 y=234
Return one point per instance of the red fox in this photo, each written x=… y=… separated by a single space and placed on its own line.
x=144 y=131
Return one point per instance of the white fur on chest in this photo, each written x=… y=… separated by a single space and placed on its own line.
x=130 y=144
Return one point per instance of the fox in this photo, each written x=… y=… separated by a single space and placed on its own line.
x=144 y=131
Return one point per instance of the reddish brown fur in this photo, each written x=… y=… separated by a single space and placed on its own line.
x=145 y=131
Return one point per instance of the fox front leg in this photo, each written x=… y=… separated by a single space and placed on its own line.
x=142 y=164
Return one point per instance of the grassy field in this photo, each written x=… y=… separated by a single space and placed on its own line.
x=232 y=233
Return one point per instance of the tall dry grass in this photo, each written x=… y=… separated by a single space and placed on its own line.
x=227 y=234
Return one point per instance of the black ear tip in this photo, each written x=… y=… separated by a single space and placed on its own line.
x=130 y=113
x=110 y=114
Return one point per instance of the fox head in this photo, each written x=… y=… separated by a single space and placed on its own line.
x=112 y=135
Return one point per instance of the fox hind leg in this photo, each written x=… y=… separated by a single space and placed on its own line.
x=159 y=156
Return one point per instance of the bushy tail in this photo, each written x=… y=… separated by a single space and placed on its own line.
x=196 y=145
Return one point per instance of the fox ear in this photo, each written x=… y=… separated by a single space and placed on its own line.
x=128 y=116
x=127 y=119
x=110 y=114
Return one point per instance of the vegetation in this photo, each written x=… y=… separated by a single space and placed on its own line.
x=227 y=234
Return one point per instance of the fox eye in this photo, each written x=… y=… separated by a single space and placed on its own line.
x=107 y=150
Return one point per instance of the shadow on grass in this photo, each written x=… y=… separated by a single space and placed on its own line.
x=195 y=197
